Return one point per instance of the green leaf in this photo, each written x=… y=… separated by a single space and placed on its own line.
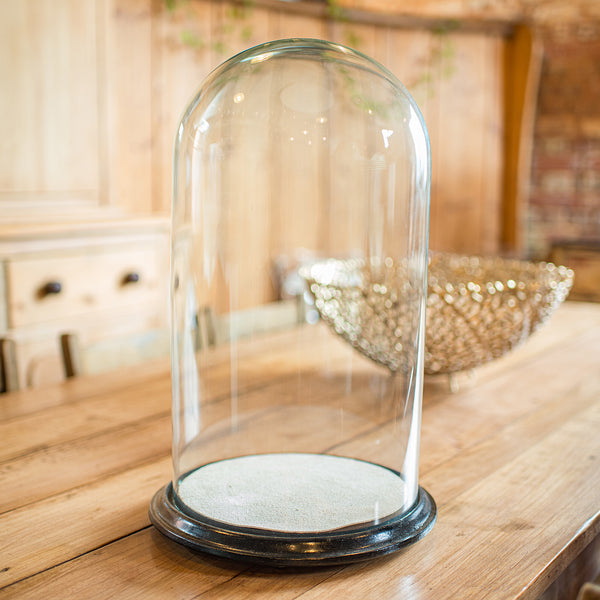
x=189 y=38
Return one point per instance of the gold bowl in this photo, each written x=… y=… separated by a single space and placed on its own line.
x=477 y=308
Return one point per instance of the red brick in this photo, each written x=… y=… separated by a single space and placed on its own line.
x=565 y=175
x=565 y=124
x=589 y=183
x=558 y=183
x=543 y=163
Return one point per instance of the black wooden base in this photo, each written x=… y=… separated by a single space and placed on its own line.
x=282 y=549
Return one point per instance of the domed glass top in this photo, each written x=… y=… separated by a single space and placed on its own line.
x=299 y=264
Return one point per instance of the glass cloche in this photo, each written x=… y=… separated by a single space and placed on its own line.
x=298 y=292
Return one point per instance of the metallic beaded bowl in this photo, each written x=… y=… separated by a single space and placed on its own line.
x=477 y=308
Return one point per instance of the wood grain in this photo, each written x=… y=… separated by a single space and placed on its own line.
x=511 y=460
x=125 y=74
x=92 y=516
x=504 y=11
x=459 y=208
x=49 y=125
x=42 y=472
x=522 y=70
x=130 y=68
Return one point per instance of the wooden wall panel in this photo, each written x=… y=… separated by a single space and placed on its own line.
x=125 y=75
x=48 y=105
x=409 y=58
x=177 y=70
x=97 y=88
x=251 y=238
x=464 y=134
x=461 y=102
x=493 y=128
x=522 y=63
x=296 y=25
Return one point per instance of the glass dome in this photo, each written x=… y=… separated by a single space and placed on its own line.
x=299 y=262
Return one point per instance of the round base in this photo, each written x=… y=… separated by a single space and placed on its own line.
x=282 y=549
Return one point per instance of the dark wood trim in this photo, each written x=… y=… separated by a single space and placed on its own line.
x=320 y=9
x=522 y=67
x=9 y=380
x=71 y=354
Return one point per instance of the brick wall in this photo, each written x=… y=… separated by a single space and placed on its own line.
x=565 y=180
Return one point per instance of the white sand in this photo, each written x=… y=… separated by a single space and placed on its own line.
x=293 y=492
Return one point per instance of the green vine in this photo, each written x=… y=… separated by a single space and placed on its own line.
x=438 y=63
x=337 y=13
x=235 y=23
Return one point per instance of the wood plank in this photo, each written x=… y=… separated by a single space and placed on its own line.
x=424 y=81
x=492 y=162
x=298 y=184
x=178 y=68
x=91 y=517
x=136 y=102
x=469 y=537
x=440 y=9
x=584 y=259
x=573 y=317
x=188 y=574
x=465 y=528
x=470 y=408
x=93 y=415
x=292 y=25
x=44 y=473
x=467 y=462
x=585 y=568
x=49 y=65
x=545 y=493
x=245 y=26
x=459 y=149
x=414 y=16
x=101 y=488
x=126 y=159
x=453 y=424
x=38 y=473
x=75 y=501
x=150 y=402
x=408 y=57
x=245 y=190
x=522 y=70
x=30 y=401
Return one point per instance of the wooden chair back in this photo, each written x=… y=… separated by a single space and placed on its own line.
x=216 y=329
x=111 y=353
x=9 y=379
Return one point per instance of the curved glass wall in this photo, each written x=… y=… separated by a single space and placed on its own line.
x=299 y=264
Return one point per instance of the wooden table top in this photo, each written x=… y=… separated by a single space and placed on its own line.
x=512 y=460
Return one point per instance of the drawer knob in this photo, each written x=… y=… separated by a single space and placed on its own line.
x=50 y=288
x=131 y=278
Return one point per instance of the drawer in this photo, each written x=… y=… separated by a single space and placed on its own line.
x=42 y=289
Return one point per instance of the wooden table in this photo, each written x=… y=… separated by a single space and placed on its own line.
x=512 y=459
